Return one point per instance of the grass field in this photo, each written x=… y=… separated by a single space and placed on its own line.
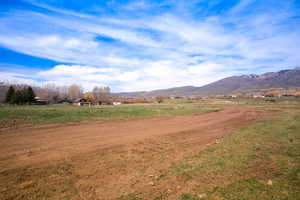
x=11 y=116
x=261 y=161
x=254 y=155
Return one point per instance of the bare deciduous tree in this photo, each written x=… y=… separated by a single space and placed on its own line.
x=102 y=94
x=75 y=91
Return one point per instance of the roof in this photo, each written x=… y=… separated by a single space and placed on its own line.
x=79 y=100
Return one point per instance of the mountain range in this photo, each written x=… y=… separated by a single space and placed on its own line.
x=231 y=85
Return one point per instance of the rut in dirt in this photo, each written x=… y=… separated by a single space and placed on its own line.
x=68 y=140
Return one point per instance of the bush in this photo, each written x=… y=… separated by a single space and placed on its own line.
x=159 y=99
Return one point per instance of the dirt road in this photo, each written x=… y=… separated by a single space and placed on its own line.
x=106 y=160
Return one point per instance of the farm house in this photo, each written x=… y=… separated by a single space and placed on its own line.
x=81 y=102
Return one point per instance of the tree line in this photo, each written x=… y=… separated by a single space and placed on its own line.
x=20 y=96
x=51 y=93
x=56 y=94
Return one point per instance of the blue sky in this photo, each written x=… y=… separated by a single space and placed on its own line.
x=133 y=45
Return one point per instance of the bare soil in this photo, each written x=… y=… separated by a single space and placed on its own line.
x=110 y=159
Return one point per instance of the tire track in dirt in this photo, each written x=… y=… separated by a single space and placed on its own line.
x=115 y=158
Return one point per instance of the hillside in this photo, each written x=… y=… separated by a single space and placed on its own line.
x=231 y=85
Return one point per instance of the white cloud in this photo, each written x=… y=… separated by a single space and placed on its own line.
x=153 y=76
x=18 y=78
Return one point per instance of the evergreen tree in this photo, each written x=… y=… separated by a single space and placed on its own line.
x=18 y=97
x=9 y=94
x=29 y=95
x=22 y=96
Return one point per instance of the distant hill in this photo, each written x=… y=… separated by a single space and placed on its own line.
x=231 y=85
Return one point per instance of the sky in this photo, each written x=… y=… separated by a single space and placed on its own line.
x=137 y=45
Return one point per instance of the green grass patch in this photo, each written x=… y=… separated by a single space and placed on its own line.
x=18 y=115
x=261 y=161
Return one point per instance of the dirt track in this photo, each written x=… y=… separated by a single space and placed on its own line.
x=114 y=158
